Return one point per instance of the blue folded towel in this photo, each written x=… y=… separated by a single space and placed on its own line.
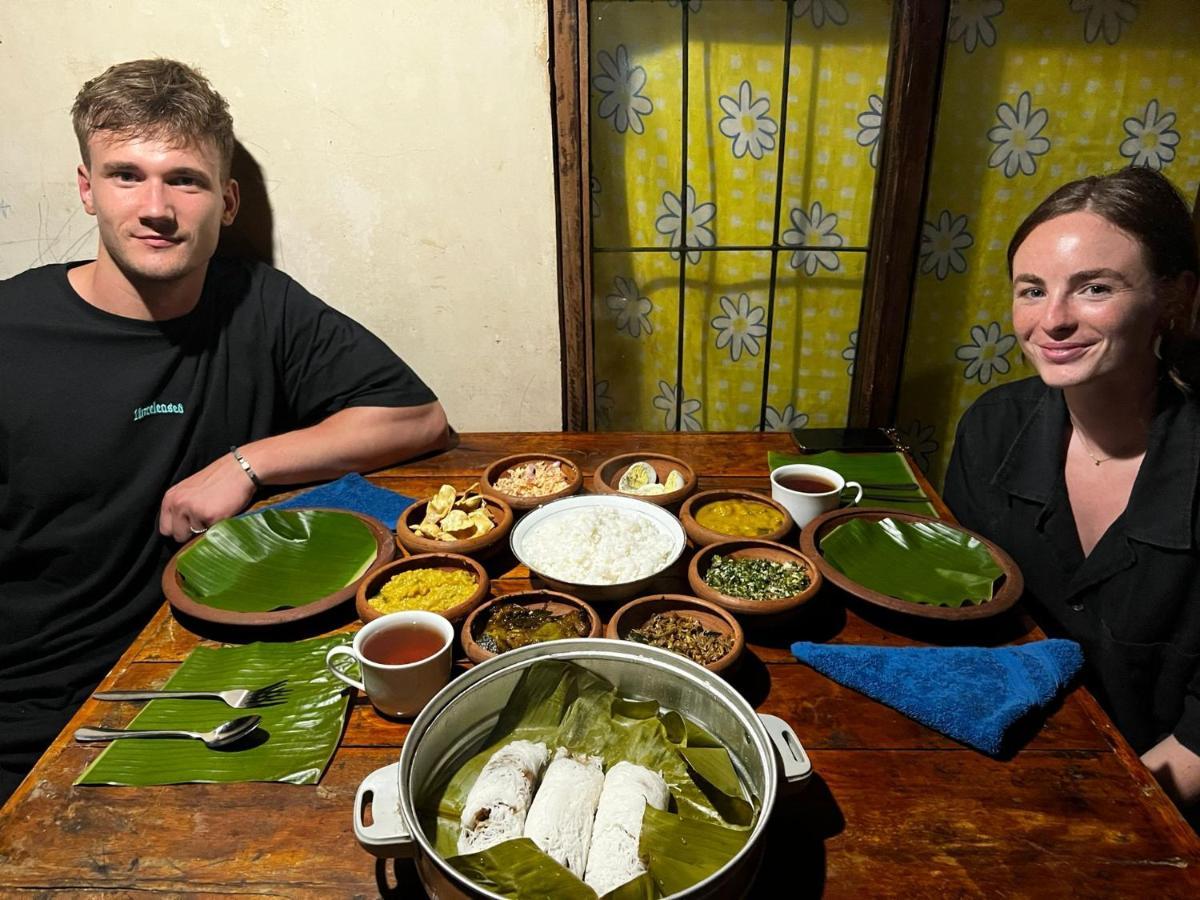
x=355 y=493
x=972 y=694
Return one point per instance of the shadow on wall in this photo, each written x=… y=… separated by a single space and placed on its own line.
x=252 y=234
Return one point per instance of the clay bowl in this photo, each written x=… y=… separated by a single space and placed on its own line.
x=1008 y=589
x=551 y=601
x=608 y=475
x=172 y=585
x=370 y=586
x=552 y=515
x=479 y=547
x=740 y=548
x=487 y=484
x=701 y=536
x=635 y=613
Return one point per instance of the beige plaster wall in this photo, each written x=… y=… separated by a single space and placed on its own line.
x=405 y=150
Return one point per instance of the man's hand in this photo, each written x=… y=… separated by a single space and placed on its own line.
x=218 y=491
x=357 y=439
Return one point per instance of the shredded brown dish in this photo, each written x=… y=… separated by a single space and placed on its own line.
x=684 y=635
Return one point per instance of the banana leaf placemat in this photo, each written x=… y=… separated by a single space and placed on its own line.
x=889 y=469
x=293 y=744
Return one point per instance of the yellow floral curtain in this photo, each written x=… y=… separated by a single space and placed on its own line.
x=1034 y=94
x=731 y=320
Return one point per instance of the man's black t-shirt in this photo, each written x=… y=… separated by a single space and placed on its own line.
x=100 y=415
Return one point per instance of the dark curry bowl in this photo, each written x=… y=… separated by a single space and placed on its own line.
x=552 y=602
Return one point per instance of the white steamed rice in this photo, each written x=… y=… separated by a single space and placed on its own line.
x=598 y=545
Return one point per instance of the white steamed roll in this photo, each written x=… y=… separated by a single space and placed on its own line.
x=499 y=799
x=613 y=858
x=560 y=819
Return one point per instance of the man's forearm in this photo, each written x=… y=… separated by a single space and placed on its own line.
x=358 y=439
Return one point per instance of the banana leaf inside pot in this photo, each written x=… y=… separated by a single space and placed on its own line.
x=714 y=752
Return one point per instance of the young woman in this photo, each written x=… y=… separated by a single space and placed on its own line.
x=1089 y=474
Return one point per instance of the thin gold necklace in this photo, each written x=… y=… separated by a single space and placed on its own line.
x=1083 y=443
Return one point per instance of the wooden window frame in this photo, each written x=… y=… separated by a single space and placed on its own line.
x=913 y=84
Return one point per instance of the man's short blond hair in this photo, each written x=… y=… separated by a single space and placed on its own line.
x=158 y=99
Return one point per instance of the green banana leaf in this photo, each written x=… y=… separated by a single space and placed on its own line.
x=565 y=705
x=890 y=468
x=276 y=559
x=293 y=744
x=680 y=852
x=506 y=867
x=923 y=562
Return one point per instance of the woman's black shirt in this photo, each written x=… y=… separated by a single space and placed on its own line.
x=1134 y=602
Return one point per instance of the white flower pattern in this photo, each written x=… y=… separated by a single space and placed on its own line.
x=668 y=401
x=782 y=420
x=604 y=404
x=631 y=308
x=869 y=124
x=920 y=442
x=1018 y=137
x=1105 y=17
x=1151 y=142
x=971 y=23
x=813 y=229
x=620 y=85
x=942 y=243
x=821 y=11
x=746 y=122
x=740 y=326
x=697 y=215
x=850 y=354
x=987 y=353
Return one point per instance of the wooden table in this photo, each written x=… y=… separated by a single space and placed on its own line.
x=894 y=810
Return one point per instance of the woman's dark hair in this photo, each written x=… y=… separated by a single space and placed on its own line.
x=1145 y=205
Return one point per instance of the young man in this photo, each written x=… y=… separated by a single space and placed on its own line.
x=150 y=392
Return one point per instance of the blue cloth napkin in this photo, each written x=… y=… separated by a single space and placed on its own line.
x=354 y=493
x=972 y=694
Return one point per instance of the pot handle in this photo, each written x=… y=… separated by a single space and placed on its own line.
x=796 y=765
x=387 y=836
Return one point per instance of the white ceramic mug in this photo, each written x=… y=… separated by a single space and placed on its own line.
x=803 y=505
x=398 y=688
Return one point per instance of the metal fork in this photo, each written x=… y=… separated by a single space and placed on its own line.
x=238 y=699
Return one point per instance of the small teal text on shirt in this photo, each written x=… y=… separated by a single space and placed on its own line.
x=157 y=409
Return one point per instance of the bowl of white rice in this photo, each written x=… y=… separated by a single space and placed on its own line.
x=598 y=546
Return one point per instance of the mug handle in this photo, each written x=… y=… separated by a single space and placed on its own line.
x=342 y=650
x=856 y=486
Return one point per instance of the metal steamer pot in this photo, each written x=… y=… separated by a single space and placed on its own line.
x=454 y=725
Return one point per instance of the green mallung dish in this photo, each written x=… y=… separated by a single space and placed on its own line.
x=562 y=704
x=276 y=559
x=931 y=563
x=756 y=579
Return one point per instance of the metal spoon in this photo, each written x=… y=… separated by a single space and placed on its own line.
x=225 y=733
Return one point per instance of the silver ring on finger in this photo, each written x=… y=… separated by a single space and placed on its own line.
x=197 y=530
